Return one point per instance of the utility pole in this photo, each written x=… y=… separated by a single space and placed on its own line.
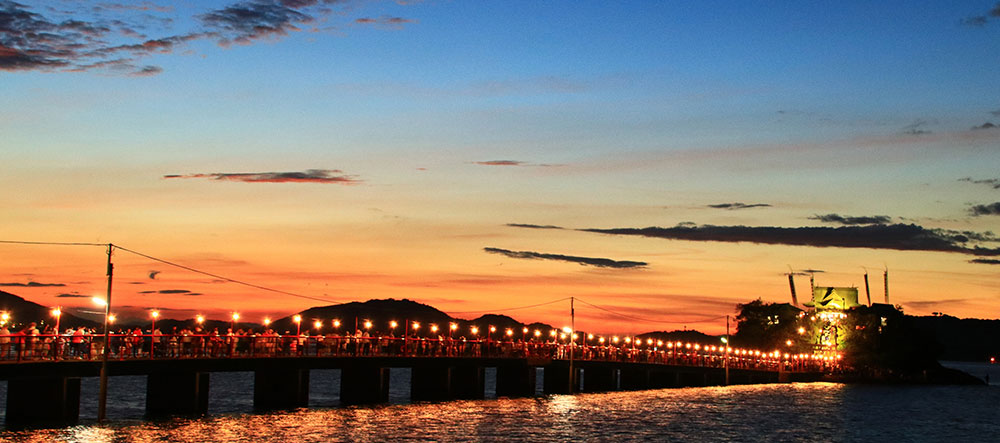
x=572 y=343
x=102 y=399
x=725 y=362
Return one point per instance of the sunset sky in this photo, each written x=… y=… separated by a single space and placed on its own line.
x=481 y=156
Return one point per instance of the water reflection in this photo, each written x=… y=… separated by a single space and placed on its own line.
x=783 y=412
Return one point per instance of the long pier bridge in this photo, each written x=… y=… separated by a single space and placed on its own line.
x=44 y=373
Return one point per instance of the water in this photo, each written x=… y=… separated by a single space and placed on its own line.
x=781 y=412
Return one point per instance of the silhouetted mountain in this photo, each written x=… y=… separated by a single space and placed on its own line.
x=967 y=339
x=404 y=312
x=684 y=336
x=22 y=312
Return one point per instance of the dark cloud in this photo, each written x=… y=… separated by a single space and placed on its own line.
x=995 y=183
x=917 y=127
x=599 y=262
x=143 y=6
x=990 y=209
x=985 y=261
x=986 y=125
x=244 y=22
x=113 y=38
x=982 y=20
x=501 y=163
x=904 y=237
x=529 y=226
x=308 y=176
x=738 y=205
x=32 y=41
x=73 y=295
x=32 y=284
x=389 y=22
x=173 y=291
x=848 y=220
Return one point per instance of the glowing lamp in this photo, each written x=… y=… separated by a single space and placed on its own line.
x=200 y=319
x=112 y=318
x=336 y=323
x=510 y=332
x=493 y=328
x=434 y=327
x=538 y=333
x=317 y=324
x=453 y=326
x=297 y=318
x=475 y=330
x=154 y=314
x=393 y=324
x=236 y=316
x=416 y=325
x=368 y=324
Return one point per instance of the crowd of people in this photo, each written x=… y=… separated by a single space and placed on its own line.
x=85 y=344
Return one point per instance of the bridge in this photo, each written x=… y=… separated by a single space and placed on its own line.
x=44 y=372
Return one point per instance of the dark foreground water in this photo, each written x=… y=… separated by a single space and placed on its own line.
x=779 y=412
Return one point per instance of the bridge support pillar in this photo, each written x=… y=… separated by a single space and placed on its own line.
x=468 y=382
x=515 y=381
x=280 y=389
x=599 y=379
x=430 y=383
x=45 y=401
x=634 y=379
x=364 y=385
x=182 y=393
x=557 y=379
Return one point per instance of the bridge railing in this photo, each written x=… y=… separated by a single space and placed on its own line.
x=16 y=348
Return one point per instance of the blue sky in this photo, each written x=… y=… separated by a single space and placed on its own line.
x=433 y=125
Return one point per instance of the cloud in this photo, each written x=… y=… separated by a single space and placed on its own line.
x=522 y=225
x=599 y=262
x=32 y=41
x=995 y=183
x=917 y=127
x=513 y=163
x=903 y=237
x=32 y=284
x=987 y=125
x=307 y=176
x=73 y=295
x=110 y=36
x=847 y=220
x=244 y=22
x=384 y=21
x=985 y=261
x=982 y=20
x=990 y=209
x=501 y=163
x=738 y=205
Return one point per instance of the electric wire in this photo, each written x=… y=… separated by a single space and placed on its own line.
x=632 y=317
x=224 y=278
x=510 y=309
x=51 y=243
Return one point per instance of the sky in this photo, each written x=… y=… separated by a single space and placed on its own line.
x=660 y=162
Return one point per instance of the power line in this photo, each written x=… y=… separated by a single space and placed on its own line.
x=632 y=317
x=510 y=309
x=51 y=243
x=220 y=277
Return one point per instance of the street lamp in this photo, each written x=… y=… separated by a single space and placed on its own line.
x=298 y=324
x=154 y=315
x=236 y=316
x=434 y=328
x=4 y=317
x=200 y=319
x=336 y=324
x=392 y=326
x=416 y=326
x=474 y=330
x=317 y=324
x=451 y=328
x=267 y=322
x=56 y=312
